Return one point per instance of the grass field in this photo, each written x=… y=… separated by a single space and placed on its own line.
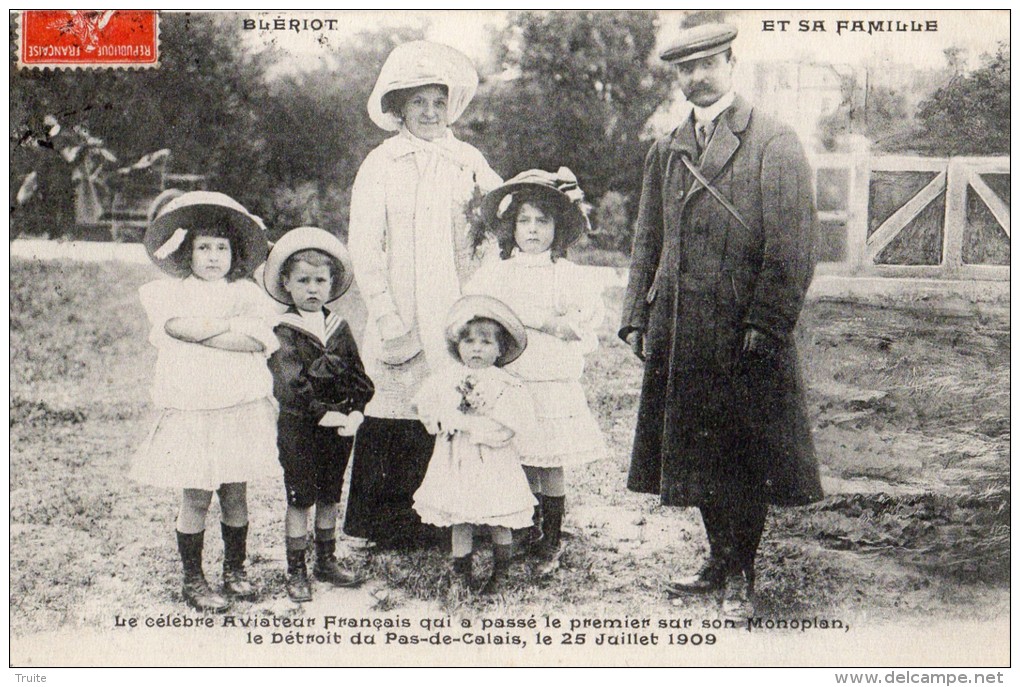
x=912 y=426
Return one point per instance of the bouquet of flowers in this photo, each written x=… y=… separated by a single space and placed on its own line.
x=471 y=400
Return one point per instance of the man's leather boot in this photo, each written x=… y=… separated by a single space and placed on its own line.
x=710 y=578
x=736 y=603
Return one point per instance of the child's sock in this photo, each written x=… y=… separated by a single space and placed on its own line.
x=462 y=555
x=462 y=537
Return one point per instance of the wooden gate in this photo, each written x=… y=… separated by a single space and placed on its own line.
x=897 y=216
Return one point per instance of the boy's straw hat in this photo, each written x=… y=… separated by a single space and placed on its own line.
x=419 y=63
x=468 y=308
x=307 y=238
x=560 y=188
x=203 y=210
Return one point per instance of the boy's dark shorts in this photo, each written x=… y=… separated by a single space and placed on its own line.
x=314 y=460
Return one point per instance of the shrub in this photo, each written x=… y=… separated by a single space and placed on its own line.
x=611 y=229
x=309 y=204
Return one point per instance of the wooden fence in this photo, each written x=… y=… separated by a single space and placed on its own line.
x=896 y=216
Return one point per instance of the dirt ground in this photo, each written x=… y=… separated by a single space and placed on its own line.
x=911 y=414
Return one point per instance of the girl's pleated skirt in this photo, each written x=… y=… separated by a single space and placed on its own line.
x=202 y=449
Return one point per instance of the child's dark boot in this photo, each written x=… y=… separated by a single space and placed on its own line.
x=531 y=537
x=501 y=556
x=552 y=524
x=235 y=551
x=327 y=567
x=461 y=566
x=299 y=588
x=197 y=592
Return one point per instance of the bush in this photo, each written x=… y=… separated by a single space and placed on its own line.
x=970 y=115
x=611 y=228
x=307 y=204
x=592 y=79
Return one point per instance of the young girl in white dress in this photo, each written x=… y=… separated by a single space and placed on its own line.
x=216 y=428
x=536 y=216
x=483 y=420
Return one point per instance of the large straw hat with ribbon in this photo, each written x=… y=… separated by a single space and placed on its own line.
x=560 y=188
x=419 y=63
x=197 y=210
x=307 y=238
x=468 y=308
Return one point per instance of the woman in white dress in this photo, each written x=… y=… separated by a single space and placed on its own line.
x=409 y=241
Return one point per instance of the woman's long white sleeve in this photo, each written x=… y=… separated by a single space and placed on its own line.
x=367 y=238
x=485 y=176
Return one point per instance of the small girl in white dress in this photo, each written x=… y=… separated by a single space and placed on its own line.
x=484 y=421
x=536 y=216
x=216 y=428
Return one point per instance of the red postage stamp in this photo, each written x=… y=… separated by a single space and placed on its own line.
x=74 y=39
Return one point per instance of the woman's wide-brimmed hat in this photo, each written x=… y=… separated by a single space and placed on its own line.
x=197 y=210
x=419 y=63
x=560 y=188
x=468 y=308
x=307 y=238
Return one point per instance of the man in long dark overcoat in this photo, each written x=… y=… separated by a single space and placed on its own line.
x=719 y=270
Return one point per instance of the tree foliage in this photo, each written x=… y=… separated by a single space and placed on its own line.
x=318 y=131
x=883 y=116
x=202 y=103
x=694 y=18
x=970 y=115
x=577 y=91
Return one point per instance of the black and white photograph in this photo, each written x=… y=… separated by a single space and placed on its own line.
x=511 y=338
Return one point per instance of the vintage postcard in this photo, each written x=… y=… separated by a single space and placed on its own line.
x=510 y=338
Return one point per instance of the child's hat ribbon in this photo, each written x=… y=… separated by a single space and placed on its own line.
x=563 y=181
x=172 y=244
x=566 y=183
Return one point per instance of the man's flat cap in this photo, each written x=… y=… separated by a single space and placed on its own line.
x=700 y=41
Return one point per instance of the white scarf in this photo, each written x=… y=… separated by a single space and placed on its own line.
x=436 y=285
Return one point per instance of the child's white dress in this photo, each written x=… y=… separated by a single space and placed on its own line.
x=475 y=475
x=537 y=288
x=217 y=415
